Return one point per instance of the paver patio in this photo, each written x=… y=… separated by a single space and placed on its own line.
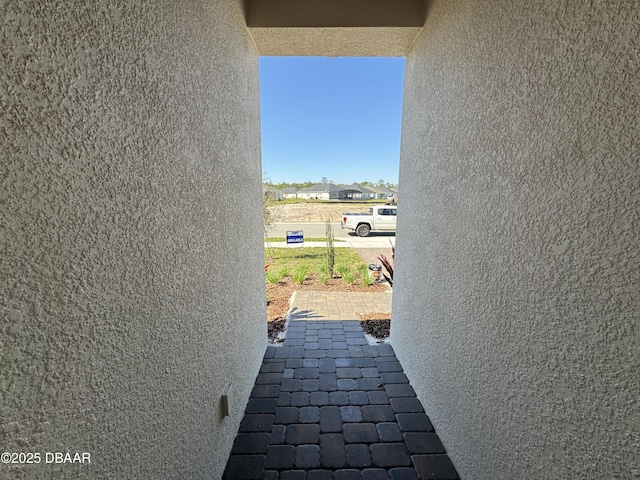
x=327 y=405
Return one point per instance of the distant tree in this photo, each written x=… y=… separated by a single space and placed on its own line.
x=324 y=180
x=268 y=215
x=283 y=185
x=381 y=183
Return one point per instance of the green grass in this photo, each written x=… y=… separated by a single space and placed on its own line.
x=313 y=257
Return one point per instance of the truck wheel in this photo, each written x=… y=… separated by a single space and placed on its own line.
x=363 y=230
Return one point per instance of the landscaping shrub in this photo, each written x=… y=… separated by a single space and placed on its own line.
x=272 y=277
x=349 y=277
x=300 y=273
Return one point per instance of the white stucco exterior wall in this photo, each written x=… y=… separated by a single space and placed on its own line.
x=516 y=302
x=132 y=292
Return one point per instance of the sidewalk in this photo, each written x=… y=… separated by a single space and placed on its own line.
x=328 y=406
x=353 y=242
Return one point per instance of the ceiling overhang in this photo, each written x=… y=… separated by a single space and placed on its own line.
x=335 y=27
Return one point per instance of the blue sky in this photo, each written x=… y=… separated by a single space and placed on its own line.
x=337 y=118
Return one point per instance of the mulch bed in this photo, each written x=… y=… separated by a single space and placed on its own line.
x=377 y=324
x=275 y=328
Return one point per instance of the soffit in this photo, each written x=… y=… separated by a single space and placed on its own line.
x=334 y=27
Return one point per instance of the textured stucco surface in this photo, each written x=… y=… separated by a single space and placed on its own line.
x=516 y=302
x=335 y=27
x=132 y=293
x=334 y=42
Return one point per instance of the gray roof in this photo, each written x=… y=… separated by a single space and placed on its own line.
x=383 y=190
x=330 y=187
x=320 y=188
x=356 y=188
x=367 y=189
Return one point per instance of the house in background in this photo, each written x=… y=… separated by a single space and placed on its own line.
x=289 y=192
x=320 y=191
x=381 y=193
x=367 y=193
x=329 y=191
x=354 y=192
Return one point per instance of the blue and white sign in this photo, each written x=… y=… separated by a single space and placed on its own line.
x=295 y=236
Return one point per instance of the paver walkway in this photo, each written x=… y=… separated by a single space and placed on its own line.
x=328 y=406
x=311 y=305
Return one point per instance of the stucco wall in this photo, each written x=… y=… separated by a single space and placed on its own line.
x=132 y=291
x=516 y=302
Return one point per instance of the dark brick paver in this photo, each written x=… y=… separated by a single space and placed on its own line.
x=360 y=433
x=358 y=455
x=418 y=442
x=280 y=456
x=332 y=452
x=256 y=423
x=302 y=434
x=438 y=467
x=249 y=443
x=406 y=405
x=330 y=419
x=328 y=406
x=389 y=432
x=308 y=456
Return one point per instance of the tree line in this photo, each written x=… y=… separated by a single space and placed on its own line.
x=301 y=185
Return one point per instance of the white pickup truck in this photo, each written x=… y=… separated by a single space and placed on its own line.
x=380 y=217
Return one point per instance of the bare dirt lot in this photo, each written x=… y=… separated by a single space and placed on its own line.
x=315 y=211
